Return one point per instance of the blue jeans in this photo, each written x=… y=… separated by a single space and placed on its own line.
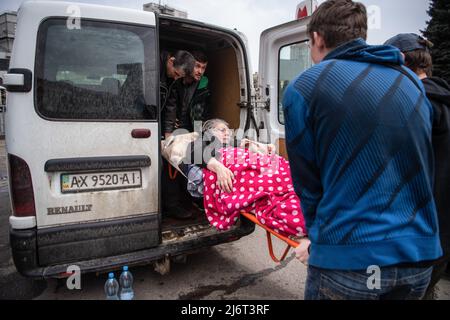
x=394 y=284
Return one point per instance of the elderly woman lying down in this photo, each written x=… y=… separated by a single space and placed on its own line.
x=249 y=178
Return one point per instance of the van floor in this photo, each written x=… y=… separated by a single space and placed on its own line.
x=170 y=223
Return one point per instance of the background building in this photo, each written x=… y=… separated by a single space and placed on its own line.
x=8 y=22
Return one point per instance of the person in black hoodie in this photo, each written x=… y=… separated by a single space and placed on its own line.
x=416 y=51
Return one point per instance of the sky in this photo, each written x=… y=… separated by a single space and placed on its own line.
x=386 y=17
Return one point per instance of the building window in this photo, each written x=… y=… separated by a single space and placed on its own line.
x=4 y=64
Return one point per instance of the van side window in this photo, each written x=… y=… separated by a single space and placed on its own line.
x=293 y=60
x=101 y=71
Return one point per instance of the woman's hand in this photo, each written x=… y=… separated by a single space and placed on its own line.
x=302 y=251
x=271 y=149
x=245 y=143
x=268 y=149
x=224 y=175
x=225 y=179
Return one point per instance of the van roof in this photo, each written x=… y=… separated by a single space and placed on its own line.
x=200 y=24
x=113 y=13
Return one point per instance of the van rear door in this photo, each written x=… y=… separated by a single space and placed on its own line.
x=88 y=130
x=283 y=55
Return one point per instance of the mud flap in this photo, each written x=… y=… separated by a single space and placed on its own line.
x=162 y=266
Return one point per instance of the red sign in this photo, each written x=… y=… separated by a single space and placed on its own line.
x=306 y=8
x=302 y=13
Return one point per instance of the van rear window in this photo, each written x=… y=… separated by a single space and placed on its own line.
x=101 y=71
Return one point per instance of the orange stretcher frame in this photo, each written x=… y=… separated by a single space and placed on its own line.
x=269 y=233
x=172 y=172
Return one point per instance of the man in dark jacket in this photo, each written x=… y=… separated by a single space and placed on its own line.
x=418 y=58
x=189 y=99
x=173 y=68
x=358 y=133
x=187 y=102
x=199 y=104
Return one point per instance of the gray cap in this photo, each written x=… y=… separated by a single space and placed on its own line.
x=407 y=42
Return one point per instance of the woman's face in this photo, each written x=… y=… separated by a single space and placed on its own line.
x=222 y=132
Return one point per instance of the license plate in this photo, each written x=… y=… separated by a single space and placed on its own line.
x=84 y=182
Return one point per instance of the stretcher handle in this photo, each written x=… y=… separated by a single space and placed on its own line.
x=172 y=172
x=272 y=255
x=269 y=233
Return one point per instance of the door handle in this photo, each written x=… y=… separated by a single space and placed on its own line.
x=18 y=80
x=141 y=133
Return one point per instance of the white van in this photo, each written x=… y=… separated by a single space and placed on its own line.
x=83 y=130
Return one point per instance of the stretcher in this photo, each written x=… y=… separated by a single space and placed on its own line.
x=269 y=232
x=174 y=153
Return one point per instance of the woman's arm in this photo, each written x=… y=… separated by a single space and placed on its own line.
x=258 y=147
x=224 y=175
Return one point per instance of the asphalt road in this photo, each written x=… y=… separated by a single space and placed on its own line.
x=240 y=270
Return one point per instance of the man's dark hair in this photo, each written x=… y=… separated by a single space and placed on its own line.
x=420 y=60
x=184 y=60
x=339 y=21
x=200 y=56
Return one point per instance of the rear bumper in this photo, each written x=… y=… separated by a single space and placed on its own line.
x=25 y=253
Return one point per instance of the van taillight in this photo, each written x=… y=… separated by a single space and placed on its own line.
x=21 y=187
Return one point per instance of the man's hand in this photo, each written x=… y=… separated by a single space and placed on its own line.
x=177 y=123
x=302 y=251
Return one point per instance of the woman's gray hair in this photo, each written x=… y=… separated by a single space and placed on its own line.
x=211 y=124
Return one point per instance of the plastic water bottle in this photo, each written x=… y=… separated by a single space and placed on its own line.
x=112 y=288
x=126 y=284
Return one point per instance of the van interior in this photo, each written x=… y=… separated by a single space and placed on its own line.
x=225 y=81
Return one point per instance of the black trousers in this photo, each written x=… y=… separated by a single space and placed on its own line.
x=174 y=191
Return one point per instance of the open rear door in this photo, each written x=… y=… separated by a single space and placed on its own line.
x=284 y=54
